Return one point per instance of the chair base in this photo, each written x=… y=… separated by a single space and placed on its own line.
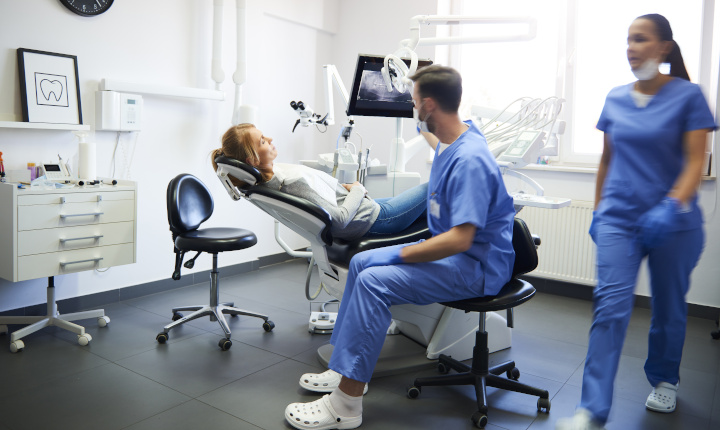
x=215 y=310
x=481 y=376
x=216 y=313
x=52 y=318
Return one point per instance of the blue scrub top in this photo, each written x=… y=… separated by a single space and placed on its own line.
x=466 y=186
x=647 y=150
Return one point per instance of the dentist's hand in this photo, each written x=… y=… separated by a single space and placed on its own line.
x=655 y=224
x=388 y=256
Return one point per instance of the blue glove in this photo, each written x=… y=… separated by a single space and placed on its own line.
x=383 y=257
x=656 y=223
x=593 y=228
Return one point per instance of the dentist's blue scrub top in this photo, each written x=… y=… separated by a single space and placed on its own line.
x=647 y=150
x=466 y=186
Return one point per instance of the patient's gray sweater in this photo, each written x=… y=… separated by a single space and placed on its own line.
x=352 y=212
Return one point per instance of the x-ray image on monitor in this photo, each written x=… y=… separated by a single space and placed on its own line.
x=370 y=96
x=373 y=89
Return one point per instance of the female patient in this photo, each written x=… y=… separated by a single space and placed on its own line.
x=353 y=213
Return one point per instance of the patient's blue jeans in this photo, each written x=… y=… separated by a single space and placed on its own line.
x=399 y=212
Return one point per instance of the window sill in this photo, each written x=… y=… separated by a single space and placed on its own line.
x=580 y=169
x=561 y=168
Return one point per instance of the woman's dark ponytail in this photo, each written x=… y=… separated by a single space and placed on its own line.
x=677 y=64
x=675 y=58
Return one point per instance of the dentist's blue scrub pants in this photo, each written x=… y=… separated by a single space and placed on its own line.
x=619 y=254
x=359 y=334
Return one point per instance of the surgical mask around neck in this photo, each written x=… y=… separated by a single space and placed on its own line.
x=647 y=70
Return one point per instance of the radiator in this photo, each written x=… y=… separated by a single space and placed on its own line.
x=566 y=253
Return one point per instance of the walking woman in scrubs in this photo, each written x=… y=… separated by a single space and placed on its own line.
x=656 y=131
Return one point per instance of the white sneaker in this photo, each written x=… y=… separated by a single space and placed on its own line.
x=582 y=420
x=663 y=398
x=324 y=382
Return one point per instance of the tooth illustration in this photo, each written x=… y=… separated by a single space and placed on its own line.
x=51 y=88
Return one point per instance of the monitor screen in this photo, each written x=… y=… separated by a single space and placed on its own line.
x=370 y=96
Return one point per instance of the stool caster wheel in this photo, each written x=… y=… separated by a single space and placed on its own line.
x=443 y=368
x=479 y=419
x=268 y=325
x=162 y=337
x=177 y=316
x=103 y=321
x=513 y=374
x=225 y=344
x=17 y=346
x=413 y=392
x=84 y=339
x=543 y=405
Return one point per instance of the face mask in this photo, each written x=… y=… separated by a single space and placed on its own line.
x=422 y=126
x=647 y=70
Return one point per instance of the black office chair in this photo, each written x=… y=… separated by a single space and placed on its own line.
x=514 y=293
x=189 y=204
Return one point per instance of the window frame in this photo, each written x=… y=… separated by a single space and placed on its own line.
x=708 y=75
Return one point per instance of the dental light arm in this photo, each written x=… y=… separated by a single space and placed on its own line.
x=396 y=74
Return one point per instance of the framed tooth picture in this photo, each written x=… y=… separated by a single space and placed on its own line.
x=49 y=87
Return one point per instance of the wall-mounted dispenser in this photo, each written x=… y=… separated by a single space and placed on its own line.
x=118 y=111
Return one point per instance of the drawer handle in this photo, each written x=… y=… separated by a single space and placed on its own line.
x=63 y=216
x=62 y=240
x=65 y=263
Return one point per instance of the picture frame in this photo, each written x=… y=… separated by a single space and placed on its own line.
x=49 y=87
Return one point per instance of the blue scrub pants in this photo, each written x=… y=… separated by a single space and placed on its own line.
x=364 y=315
x=619 y=255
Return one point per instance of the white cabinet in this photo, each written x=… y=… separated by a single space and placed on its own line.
x=59 y=231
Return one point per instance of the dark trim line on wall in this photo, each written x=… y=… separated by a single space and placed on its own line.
x=585 y=292
x=98 y=300
x=76 y=304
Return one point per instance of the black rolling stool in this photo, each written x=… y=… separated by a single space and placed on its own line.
x=514 y=293
x=189 y=204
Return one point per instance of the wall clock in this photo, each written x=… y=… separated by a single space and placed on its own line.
x=87 y=7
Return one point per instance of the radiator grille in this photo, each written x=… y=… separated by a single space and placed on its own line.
x=567 y=252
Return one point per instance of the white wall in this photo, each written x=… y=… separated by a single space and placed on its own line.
x=170 y=42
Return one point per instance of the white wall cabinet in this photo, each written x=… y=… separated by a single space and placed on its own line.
x=51 y=232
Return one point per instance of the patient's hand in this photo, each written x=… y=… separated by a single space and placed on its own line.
x=354 y=184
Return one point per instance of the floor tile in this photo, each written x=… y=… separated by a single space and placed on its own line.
x=547 y=358
x=192 y=415
x=124 y=379
x=197 y=365
x=131 y=331
x=44 y=360
x=108 y=397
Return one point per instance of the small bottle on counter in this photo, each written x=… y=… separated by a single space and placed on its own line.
x=2 y=169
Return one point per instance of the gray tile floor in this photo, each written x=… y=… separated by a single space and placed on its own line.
x=125 y=380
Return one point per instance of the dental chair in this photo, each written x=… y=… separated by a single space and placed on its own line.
x=189 y=204
x=427 y=331
x=480 y=374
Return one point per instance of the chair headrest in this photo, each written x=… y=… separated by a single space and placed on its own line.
x=229 y=167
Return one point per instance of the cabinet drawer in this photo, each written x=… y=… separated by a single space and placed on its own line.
x=61 y=263
x=85 y=236
x=72 y=214
x=57 y=198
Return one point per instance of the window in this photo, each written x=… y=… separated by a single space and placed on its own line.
x=579 y=55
